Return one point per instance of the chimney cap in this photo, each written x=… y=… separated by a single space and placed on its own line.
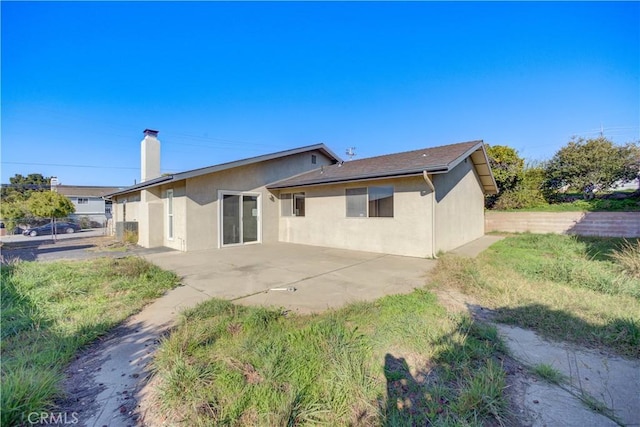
x=150 y=132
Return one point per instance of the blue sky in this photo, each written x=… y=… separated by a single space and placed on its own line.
x=224 y=81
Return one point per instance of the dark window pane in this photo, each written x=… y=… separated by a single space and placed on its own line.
x=381 y=201
x=230 y=219
x=298 y=204
x=249 y=219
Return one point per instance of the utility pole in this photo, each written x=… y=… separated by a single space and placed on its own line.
x=54 y=189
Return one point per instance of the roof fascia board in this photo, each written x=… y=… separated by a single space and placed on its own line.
x=229 y=165
x=142 y=186
x=347 y=181
x=252 y=160
x=464 y=155
x=487 y=164
x=368 y=177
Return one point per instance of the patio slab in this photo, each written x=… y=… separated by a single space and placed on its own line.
x=323 y=277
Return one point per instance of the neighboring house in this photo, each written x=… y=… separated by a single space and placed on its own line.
x=414 y=203
x=89 y=202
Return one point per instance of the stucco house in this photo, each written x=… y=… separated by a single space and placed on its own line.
x=414 y=203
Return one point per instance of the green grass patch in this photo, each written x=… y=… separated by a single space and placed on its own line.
x=50 y=310
x=548 y=373
x=401 y=360
x=567 y=288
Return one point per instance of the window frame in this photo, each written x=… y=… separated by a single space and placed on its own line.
x=82 y=200
x=368 y=201
x=288 y=204
x=170 y=215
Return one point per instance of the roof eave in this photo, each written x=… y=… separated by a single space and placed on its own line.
x=363 y=177
x=141 y=186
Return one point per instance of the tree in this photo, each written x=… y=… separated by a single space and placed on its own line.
x=21 y=187
x=14 y=213
x=588 y=165
x=507 y=168
x=49 y=204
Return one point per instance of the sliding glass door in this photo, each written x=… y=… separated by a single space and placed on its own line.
x=240 y=218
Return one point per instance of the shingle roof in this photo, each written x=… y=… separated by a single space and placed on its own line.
x=432 y=160
x=224 y=166
x=85 y=191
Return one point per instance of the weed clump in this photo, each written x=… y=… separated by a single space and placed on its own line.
x=628 y=257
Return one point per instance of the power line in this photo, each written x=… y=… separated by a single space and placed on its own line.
x=69 y=166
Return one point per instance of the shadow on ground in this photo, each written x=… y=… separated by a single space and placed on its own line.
x=461 y=383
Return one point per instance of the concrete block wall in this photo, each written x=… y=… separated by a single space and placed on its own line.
x=604 y=224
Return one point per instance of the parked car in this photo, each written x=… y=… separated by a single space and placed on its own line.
x=61 y=227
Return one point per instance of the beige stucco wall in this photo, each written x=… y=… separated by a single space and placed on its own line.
x=179 y=216
x=201 y=204
x=459 y=207
x=326 y=224
x=133 y=207
x=150 y=212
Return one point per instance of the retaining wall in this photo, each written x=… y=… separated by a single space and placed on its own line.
x=604 y=224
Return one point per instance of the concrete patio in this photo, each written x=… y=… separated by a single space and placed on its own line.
x=322 y=277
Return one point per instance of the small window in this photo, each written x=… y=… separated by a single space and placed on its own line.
x=372 y=202
x=357 y=202
x=314 y=159
x=298 y=204
x=292 y=204
x=83 y=201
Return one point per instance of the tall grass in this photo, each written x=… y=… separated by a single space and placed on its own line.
x=564 y=287
x=50 y=310
x=367 y=364
x=628 y=257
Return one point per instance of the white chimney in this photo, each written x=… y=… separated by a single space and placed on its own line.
x=149 y=155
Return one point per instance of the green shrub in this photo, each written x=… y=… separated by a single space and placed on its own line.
x=519 y=199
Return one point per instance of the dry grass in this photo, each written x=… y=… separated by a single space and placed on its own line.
x=628 y=257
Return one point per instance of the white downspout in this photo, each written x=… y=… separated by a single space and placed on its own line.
x=433 y=214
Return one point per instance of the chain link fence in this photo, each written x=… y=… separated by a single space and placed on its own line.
x=18 y=226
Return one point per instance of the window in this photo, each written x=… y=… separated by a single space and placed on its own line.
x=357 y=202
x=370 y=202
x=292 y=204
x=298 y=204
x=170 y=214
x=83 y=201
x=381 y=202
x=314 y=159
